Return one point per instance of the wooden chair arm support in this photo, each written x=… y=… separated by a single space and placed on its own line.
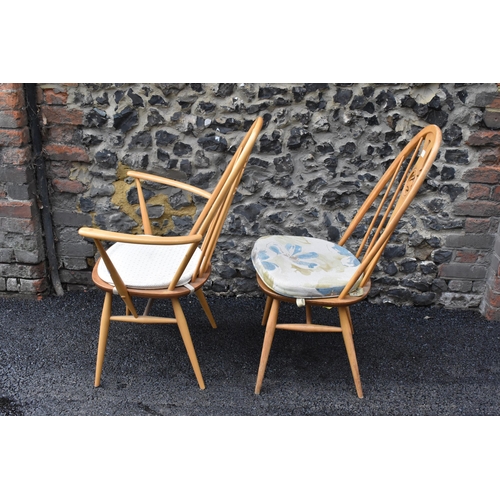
x=144 y=239
x=169 y=182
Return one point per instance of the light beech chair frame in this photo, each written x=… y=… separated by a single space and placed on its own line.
x=390 y=198
x=205 y=232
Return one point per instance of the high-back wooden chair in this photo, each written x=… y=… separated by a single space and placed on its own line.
x=315 y=272
x=165 y=267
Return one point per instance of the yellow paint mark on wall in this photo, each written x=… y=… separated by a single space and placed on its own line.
x=159 y=225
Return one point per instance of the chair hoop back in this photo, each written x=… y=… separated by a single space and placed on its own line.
x=389 y=200
x=211 y=220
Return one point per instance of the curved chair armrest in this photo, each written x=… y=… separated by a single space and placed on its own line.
x=144 y=239
x=169 y=182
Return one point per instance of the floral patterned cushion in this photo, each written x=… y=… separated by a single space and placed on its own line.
x=302 y=267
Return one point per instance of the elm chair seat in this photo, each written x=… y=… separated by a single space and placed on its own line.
x=303 y=267
x=149 y=267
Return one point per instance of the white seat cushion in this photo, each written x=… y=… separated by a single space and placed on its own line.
x=148 y=266
x=302 y=267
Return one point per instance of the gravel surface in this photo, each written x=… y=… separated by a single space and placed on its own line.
x=413 y=361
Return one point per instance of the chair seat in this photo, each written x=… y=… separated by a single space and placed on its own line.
x=303 y=267
x=148 y=266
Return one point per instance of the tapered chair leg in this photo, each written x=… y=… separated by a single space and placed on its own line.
x=186 y=337
x=345 y=324
x=269 y=301
x=350 y=319
x=103 y=337
x=268 y=340
x=206 y=307
x=148 y=307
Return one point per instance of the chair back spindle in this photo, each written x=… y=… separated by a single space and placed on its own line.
x=389 y=200
x=212 y=218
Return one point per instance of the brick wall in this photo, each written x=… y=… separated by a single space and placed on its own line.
x=66 y=158
x=482 y=206
x=22 y=256
x=490 y=305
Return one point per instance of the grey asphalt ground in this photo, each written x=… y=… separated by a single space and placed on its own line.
x=413 y=361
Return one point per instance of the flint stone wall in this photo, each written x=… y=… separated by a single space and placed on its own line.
x=322 y=149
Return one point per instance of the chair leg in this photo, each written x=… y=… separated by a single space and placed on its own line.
x=206 y=307
x=186 y=337
x=345 y=324
x=147 y=309
x=350 y=319
x=268 y=340
x=266 y=311
x=103 y=337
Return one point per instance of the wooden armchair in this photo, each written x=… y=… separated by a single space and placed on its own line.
x=165 y=267
x=314 y=272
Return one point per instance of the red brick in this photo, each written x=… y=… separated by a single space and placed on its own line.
x=16 y=174
x=466 y=256
x=18 y=209
x=14 y=137
x=479 y=192
x=60 y=169
x=10 y=86
x=489 y=156
x=68 y=186
x=491 y=118
x=473 y=225
x=485 y=175
x=39 y=95
x=20 y=226
x=491 y=313
x=55 y=98
x=37 y=286
x=22 y=270
x=13 y=119
x=493 y=299
x=494 y=284
x=15 y=156
x=477 y=208
x=495 y=104
x=62 y=115
x=12 y=99
x=37 y=271
x=61 y=134
x=65 y=152
x=484 y=138
x=495 y=194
